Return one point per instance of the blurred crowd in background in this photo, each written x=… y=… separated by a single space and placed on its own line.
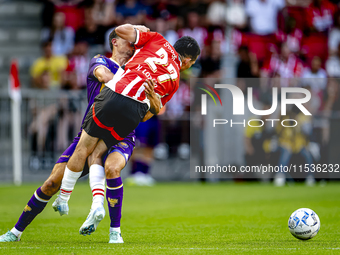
x=271 y=38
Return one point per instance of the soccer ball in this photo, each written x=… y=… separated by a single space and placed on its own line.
x=304 y=223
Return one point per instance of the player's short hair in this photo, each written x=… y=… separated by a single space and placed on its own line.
x=113 y=34
x=187 y=47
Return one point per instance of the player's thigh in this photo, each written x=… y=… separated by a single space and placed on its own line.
x=84 y=148
x=114 y=164
x=53 y=182
x=97 y=154
x=86 y=143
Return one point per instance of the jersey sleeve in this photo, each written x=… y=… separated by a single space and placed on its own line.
x=166 y=99
x=143 y=37
x=96 y=62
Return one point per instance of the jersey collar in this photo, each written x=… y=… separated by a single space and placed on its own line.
x=114 y=61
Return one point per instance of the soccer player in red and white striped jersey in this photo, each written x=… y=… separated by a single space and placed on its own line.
x=155 y=59
x=125 y=101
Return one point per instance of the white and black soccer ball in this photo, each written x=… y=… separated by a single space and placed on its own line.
x=304 y=224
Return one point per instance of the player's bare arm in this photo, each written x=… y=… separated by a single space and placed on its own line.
x=103 y=74
x=155 y=103
x=128 y=31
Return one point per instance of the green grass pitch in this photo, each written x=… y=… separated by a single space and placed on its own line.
x=181 y=218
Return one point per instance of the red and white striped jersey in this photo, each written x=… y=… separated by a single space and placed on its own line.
x=155 y=59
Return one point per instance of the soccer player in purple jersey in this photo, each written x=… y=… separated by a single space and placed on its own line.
x=101 y=70
x=119 y=113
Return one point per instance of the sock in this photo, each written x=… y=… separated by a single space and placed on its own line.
x=115 y=229
x=34 y=206
x=114 y=196
x=16 y=232
x=69 y=180
x=97 y=184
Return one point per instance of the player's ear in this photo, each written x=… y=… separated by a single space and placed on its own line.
x=185 y=61
x=114 y=42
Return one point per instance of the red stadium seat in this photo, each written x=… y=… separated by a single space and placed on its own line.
x=315 y=45
x=260 y=45
x=298 y=13
x=74 y=17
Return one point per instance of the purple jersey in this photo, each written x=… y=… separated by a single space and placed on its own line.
x=125 y=147
x=94 y=86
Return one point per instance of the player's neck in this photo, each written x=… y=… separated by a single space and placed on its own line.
x=115 y=60
x=119 y=59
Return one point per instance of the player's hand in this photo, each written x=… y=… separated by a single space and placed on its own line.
x=155 y=102
x=149 y=86
x=142 y=28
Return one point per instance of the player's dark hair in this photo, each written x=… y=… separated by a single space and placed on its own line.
x=113 y=34
x=187 y=47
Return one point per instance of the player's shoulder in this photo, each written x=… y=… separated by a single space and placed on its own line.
x=154 y=36
x=100 y=59
x=160 y=40
x=160 y=36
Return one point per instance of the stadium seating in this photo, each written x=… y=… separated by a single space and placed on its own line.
x=315 y=45
x=20 y=27
x=259 y=45
x=298 y=13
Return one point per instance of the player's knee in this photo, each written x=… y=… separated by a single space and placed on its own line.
x=51 y=187
x=112 y=171
x=94 y=159
x=83 y=151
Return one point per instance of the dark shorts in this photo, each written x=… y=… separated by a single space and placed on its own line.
x=125 y=148
x=113 y=116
